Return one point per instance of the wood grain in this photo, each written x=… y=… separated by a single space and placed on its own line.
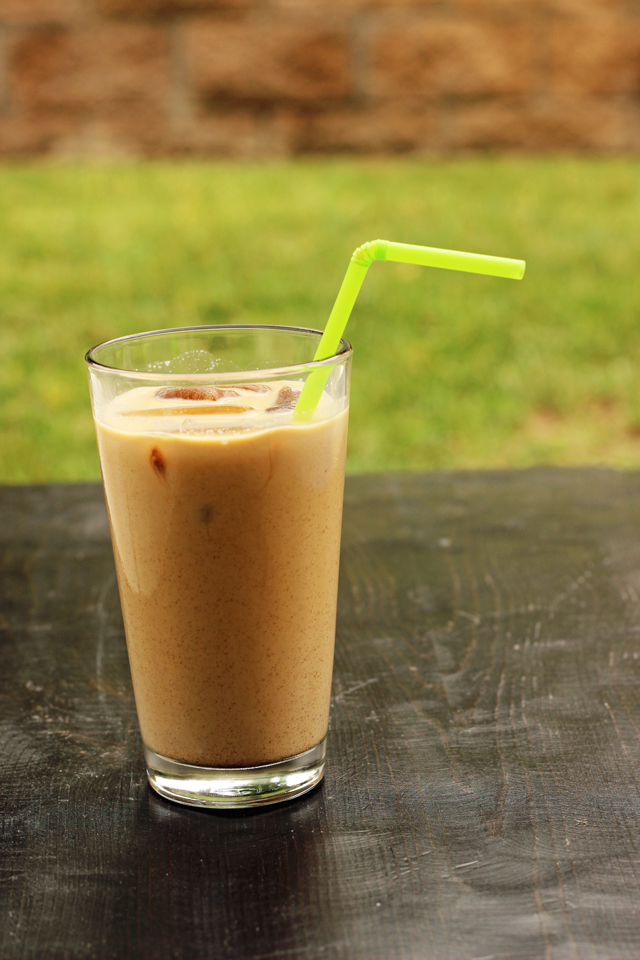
x=481 y=798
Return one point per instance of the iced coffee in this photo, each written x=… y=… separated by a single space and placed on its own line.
x=225 y=515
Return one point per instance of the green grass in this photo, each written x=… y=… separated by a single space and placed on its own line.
x=450 y=370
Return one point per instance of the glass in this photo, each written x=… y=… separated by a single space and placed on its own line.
x=225 y=516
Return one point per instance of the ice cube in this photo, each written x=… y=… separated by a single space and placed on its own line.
x=285 y=401
x=195 y=393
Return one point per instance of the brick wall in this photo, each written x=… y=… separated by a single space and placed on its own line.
x=281 y=77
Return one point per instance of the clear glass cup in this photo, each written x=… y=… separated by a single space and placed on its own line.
x=225 y=516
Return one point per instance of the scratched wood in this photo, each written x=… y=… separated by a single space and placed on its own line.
x=481 y=798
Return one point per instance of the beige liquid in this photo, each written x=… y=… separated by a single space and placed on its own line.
x=227 y=545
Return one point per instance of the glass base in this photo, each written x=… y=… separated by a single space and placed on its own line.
x=231 y=788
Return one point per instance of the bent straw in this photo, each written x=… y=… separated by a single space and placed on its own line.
x=360 y=262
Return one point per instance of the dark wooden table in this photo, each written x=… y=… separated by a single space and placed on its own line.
x=481 y=798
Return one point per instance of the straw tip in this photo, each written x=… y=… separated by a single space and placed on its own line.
x=522 y=266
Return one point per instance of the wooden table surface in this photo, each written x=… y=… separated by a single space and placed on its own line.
x=481 y=797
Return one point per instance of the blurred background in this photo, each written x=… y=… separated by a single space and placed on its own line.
x=170 y=162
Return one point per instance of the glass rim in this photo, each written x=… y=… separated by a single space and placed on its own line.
x=344 y=351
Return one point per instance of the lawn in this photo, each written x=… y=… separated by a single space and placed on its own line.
x=450 y=370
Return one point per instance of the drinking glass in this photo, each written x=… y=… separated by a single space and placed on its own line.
x=225 y=509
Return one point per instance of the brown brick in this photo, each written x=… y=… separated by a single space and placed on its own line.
x=41 y=11
x=583 y=7
x=571 y=124
x=599 y=54
x=112 y=134
x=22 y=136
x=241 y=132
x=496 y=9
x=493 y=125
x=431 y=58
x=274 y=62
x=106 y=138
x=151 y=8
x=380 y=129
x=537 y=8
x=110 y=67
x=346 y=7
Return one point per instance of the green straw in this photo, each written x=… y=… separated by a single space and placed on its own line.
x=357 y=271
